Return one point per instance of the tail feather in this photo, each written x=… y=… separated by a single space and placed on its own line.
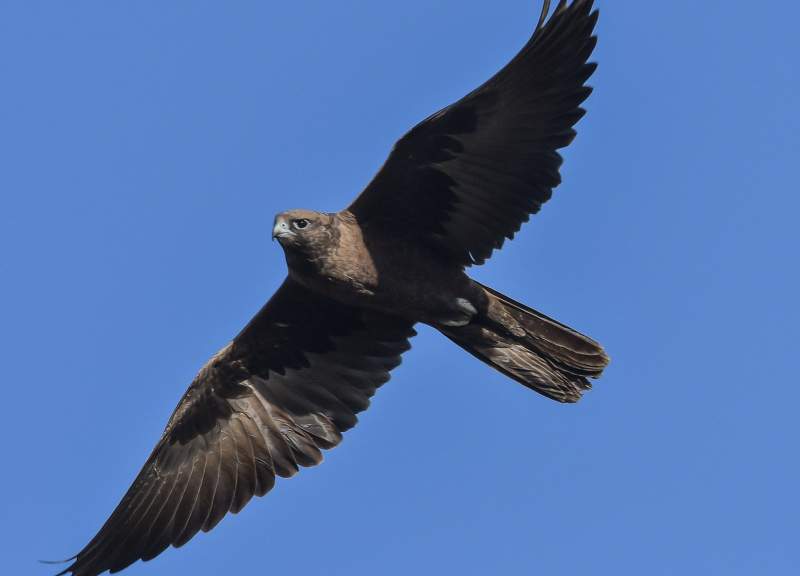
x=574 y=351
x=531 y=348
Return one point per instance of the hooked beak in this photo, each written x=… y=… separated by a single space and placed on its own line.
x=280 y=229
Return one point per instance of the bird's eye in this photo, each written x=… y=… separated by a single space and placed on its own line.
x=300 y=223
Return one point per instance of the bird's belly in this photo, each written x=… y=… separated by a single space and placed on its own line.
x=416 y=289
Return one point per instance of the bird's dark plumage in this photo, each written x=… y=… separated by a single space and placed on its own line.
x=285 y=388
x=452 y=190
x=469 y=176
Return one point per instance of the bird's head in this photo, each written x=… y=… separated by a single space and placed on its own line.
x=303 y=231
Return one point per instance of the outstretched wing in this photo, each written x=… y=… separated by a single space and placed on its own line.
x=286 y=387
x=469 y=176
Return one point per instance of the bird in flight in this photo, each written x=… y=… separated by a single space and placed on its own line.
x=452 y=190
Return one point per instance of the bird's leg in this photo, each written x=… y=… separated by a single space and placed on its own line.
x=459 y=312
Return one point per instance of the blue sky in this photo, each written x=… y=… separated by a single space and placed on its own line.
x=146 y=147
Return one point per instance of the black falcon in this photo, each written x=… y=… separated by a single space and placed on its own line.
x=452 y=190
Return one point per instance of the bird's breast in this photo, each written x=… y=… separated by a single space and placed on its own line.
x=392 y=275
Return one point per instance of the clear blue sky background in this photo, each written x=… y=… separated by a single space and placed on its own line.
x=147 y=145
